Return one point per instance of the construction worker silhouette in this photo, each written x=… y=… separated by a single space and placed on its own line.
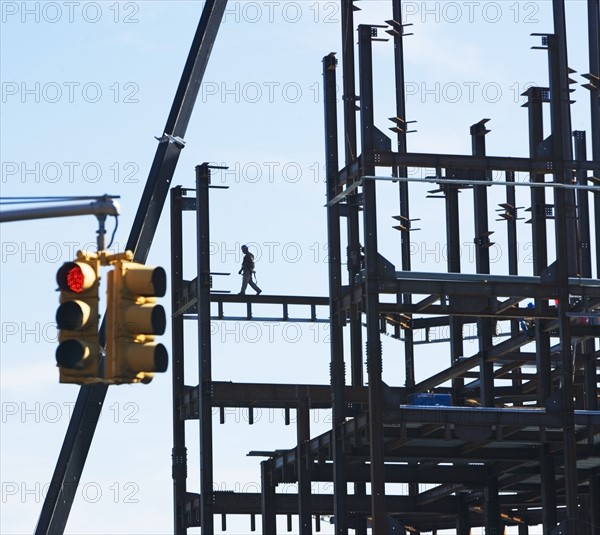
x=528 y=324
x=247 y=271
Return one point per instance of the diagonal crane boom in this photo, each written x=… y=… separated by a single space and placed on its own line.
x=76 y=445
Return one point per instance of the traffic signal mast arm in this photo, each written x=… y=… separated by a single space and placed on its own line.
x=103 y=207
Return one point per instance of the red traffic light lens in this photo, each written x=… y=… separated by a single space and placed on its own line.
x=75 y=279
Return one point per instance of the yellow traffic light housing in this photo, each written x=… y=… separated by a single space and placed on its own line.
x=133 y=320
x=78 y=353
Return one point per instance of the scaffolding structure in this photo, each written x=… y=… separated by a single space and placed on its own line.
x=502 y=437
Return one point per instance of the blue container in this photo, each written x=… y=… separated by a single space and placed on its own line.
x=430 y=400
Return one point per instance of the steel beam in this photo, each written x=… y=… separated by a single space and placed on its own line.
x=267 y=508
x=204 y=350
x=471 y=164
x=338 y=372
x=353 y=254
x=400 y=127
x=304 y=480
x=593 y=9
x=179 y=453
x=482 y=262
x=548 y=488
x=566 y=233
x=453 y=247
x=374 y=356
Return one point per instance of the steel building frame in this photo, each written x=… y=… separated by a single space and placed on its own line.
x=521 y=454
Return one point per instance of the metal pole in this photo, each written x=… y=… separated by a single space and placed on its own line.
x=353 y=254
x=304 y=493
x=374 y=356
x=403 y=191
x=594 y=48
x=482 y=259
x=102 y=207
x=352 y=223
x=453 y=263
x=171 y=144
x=267 y=502
x=179 y=453
x=338 y=372
x=591 y=374
x=536 y=96
x=513 y=259
x=565 y=229
x=204 y=350
x=486 y=368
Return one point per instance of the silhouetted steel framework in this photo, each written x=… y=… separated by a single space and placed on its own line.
x=521 y=455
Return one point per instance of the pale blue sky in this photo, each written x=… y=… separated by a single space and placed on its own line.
x=86 y=88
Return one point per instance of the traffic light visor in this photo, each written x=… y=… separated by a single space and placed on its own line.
x=72 y=354
x=75 y=277
x=73 y=315
x=146 y=281
x=148 y=358
x=146 y=319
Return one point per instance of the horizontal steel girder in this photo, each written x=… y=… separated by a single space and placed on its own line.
x=468 y=163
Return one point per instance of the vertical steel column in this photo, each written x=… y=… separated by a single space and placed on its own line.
x=352 y=207
x=491 y=505
x=511 y=225
x=304 y=495
x=589 y=505
x=548 y=490
x=486 y=369
x=560 y=117
x=513 y=257
x=535 y=98
x=267 y=502
x=565 y=227
x=584 y=243
x=482 y=259
x=338 y=372
x=594 y=48
x=397 y=34
x=349 y=98
x=463 y=526
x=374 y=356
x=594 y=499
x=179 y=452
x=585 y=262
x=204 y=351
x=453 y=246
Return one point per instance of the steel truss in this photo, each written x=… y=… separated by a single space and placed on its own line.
x=517 y=454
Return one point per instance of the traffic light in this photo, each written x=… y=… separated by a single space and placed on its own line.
x=133 y=320
x=78 y=353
